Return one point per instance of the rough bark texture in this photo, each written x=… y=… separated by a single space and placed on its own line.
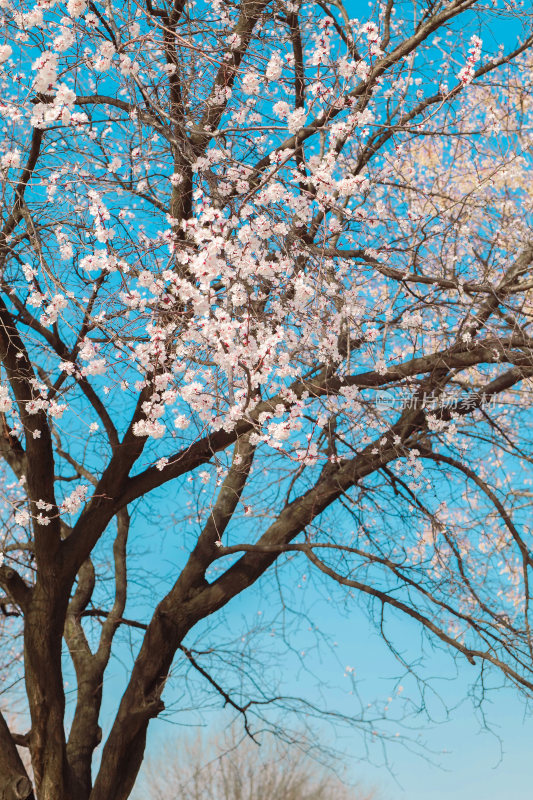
x=14 y=781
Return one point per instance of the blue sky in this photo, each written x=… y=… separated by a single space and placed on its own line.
x=462 y=758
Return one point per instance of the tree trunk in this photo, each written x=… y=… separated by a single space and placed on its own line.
x=14 y=783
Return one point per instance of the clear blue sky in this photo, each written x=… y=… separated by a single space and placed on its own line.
x=464 y=760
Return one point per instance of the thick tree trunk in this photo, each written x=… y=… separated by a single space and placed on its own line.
x=14 y=782
x=16 y=788
x=44 y=688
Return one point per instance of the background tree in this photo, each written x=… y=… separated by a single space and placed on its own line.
x=276 y=261
x=229 y=768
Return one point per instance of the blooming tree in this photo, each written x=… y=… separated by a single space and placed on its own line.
x=276 y=260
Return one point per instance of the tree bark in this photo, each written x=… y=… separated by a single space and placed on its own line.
x=14 y=782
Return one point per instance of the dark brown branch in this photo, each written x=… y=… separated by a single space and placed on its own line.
x=15 y=586
x=102 y=99
x=21 y=739
x=11 y=449
x=16 y=213
x=39 y=451
x=228 y=700
x=85 y=732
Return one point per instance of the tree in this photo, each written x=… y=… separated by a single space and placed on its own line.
x=276 y=262
x=229 y=769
